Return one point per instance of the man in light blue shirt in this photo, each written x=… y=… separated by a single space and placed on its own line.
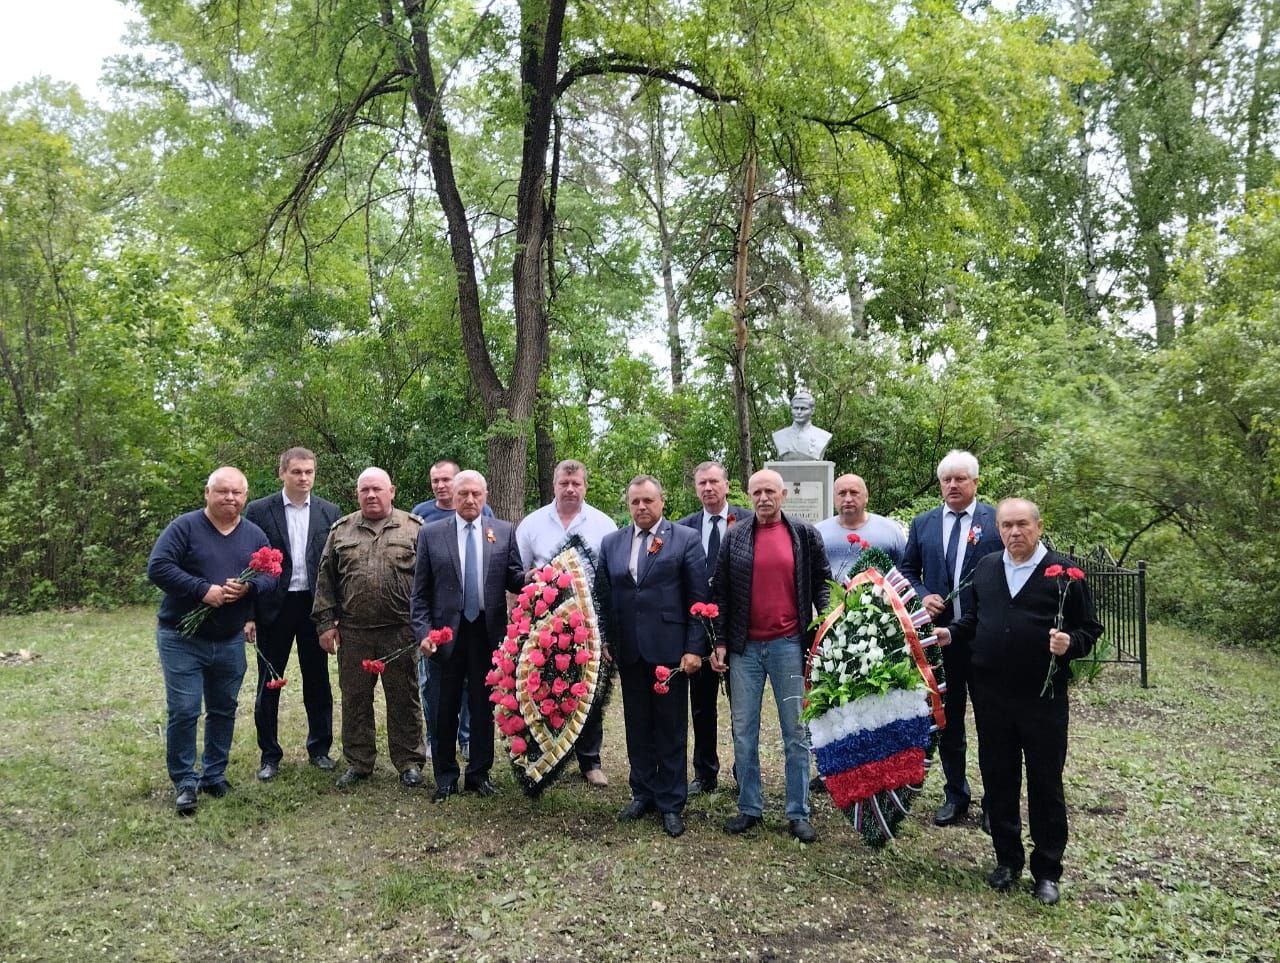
x=851 y=498
x=539 y=537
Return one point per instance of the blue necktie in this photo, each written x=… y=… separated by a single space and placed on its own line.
x=953 y=546
x=470 y=579
x=713 y=546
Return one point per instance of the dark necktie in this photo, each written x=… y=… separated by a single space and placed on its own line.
x=642 y=558
x=470 y=578
x=713 y=546
x=953 y=546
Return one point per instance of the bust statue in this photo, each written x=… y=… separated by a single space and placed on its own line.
x=801 y=440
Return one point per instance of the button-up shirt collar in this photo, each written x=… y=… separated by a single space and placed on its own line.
x=1017 y=573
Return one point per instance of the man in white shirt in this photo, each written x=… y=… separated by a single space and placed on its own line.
x=296 y=522
x=542 y=533
x=876 y=531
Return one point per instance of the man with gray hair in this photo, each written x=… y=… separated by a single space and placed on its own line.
x=943 y=546
x=1014 y=633
x=466 y=564
x=540 y=536
x=361 y=611
x=196 y=562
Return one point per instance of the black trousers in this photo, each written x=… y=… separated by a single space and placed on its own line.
x=465 y=669
x=657 y=736
x=952 y=746
x=704 y=696
x=589 y=743
x=1014 y=730
x=274 y=643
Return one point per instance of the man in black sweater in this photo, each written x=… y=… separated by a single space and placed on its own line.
x=1014 y=636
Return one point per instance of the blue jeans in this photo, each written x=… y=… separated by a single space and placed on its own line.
x=196 y=669
x=425 y=690
x=782 y=662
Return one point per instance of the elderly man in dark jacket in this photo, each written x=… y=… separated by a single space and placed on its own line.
x=770 y=579
x=1014 y=634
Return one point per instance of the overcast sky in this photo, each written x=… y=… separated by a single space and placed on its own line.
x=66 y=39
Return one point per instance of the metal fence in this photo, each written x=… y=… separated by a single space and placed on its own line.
x=1120 y=597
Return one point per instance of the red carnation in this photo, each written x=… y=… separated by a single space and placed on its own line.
x=537 y=658
x=1053 y=571
x=582 y=657
x=661 y=688
x=556 y=720
x=1075 y=574
x=516 y=723
x=563 y=661
x=493 y=677
x=547 y=706
x=540 y=609
x=565 y=580
x=567 y=706
x=575 y=619
x=711 y=610
x=698 y=609
x=579 y=689
x=662 y=673
x=557 y=624
x=558 y=687
x=548 y=573
x=580 y=634
x=519 y=747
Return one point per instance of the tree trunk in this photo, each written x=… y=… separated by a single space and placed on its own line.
x=740 y=320
x=545 y=446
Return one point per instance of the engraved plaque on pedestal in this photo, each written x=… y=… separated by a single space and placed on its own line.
x=809 y=487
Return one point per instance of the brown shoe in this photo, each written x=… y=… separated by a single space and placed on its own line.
x=596 y=777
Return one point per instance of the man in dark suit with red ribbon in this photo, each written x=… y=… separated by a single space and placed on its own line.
x=297 y=522
x=466 y=563
x=650 y=574
x=943 y=546
x=1014 y=634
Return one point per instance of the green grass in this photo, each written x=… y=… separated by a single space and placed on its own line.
x=1173 y=793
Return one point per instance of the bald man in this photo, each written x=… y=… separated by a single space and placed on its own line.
x=851 y=499
x=195 y=561
x=361 y=612
x=770 y=580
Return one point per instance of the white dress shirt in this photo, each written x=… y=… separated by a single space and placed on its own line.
x=542 y=533
x=474 y=545
x=706 y=526
x=966 y=523
x=1017 y=573
x=298 y=519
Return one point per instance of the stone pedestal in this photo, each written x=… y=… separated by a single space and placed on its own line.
x=810 y=487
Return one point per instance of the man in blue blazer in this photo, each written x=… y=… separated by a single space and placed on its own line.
x=465 y=566
x=712 y=523
x=943 y=546
x=297 y=523
x=650 y=574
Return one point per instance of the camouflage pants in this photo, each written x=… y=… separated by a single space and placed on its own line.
x=399 y=688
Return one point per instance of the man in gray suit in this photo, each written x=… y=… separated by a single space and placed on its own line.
x=465 y=566
x=296 y=522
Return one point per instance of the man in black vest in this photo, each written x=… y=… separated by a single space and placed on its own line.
x=1013 y=636
x=296 y=522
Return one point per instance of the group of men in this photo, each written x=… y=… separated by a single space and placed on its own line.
x=377 y=586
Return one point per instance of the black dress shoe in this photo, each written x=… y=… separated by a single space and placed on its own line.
x=1047 y=891
x=186 y=801
x=1002 y=878
x=740 y=824
x=268 y=772
x=482 y=787
x=950 y=813
x=443 y=792
x=672 y=824
x=323 y=762
x=216 y=789
x=802 y=830
x=350 y=778
x=411 y=778
x=635 y=810
x=699 y=786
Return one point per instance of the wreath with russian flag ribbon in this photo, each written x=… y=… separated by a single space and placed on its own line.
x=548 y=677
x=874 y=697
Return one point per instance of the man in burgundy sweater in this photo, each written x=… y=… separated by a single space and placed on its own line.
x=1013 y=636
x=771 y=576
